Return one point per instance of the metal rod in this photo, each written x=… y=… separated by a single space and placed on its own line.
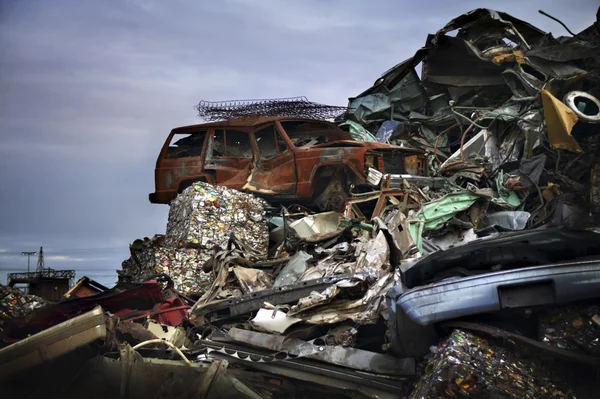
x=169 y=344
x=29 y=255
x=557 y=20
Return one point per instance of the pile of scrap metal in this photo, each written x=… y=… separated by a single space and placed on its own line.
x=509 y=116
x=479 y=281
x=112 y=344
x=15 y=304
x=200 y=218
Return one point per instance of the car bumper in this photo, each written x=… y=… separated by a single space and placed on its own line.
x=532 y=286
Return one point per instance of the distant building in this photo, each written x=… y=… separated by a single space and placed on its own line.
x=85 y=287
x=46 y=283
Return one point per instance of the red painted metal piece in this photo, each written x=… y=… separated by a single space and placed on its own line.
x=126 y=301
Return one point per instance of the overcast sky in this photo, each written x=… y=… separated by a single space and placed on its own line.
x=90 y=89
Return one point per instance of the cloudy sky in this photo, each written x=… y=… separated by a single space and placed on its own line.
x=90 y=89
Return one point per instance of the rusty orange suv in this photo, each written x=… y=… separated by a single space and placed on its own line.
x=280 y=159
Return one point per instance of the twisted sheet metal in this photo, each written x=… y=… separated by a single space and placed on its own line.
x=281 y=107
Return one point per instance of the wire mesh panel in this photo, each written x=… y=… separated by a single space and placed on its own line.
x=283 y=107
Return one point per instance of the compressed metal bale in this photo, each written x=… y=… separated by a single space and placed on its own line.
x=15 y=304
x=467 y=366
x=576 y=328
x=204 y=216
x=183 y=265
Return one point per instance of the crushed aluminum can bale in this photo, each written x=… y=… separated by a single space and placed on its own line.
x=203 y=216
x=15 y=304
x=466 y=365
x=573 y=327
x=183 y=265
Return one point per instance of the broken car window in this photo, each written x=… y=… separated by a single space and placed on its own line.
x=265 y=138
x=281 y=144
x=219 y=144
x=186 y=145
x=238 y=144
x=309 y=133
x=231 y=143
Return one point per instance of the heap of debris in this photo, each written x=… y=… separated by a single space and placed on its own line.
x=201 y=218
x=576 y=328
x=468 y=366
x=354 y=302
x=15 y=304
x=509 y=118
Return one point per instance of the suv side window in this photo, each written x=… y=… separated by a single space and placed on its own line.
x=232 y=144
x=186 y=145
x=281 y=144
x=265 y=138
x=238 y=144
x=219 y=144
x=309 y=133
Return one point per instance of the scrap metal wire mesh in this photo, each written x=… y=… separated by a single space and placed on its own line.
x=284 y=107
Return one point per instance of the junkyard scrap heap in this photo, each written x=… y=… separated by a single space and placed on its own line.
x=479 y=276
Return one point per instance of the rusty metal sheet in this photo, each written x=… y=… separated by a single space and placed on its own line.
x=364 y=310
x=204 y=312
x=252 y=280
x=52 y=342
x=369 y=385
x=357 y=359
x=560 y=120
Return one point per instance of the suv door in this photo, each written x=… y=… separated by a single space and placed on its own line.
x=179 y=164
x=229 y=157
x=274 y=169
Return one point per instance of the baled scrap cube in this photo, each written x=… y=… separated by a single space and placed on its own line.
x=182 y=265
x=467 y=366
x=575 y=328
x=15 y=304
x=204 y=216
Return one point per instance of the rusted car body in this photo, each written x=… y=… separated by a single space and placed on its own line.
x=285 y=159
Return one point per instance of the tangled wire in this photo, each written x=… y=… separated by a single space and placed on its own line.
x=282 y=107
